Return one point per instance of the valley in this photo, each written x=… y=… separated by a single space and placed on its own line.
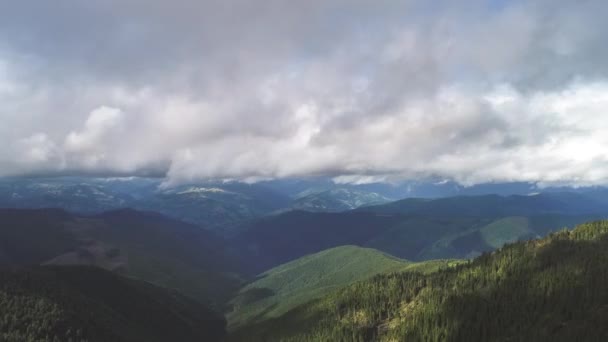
x=381 y=266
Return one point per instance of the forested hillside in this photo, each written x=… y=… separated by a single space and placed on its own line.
x=83 y=303
x=144 y=245
x=287 y=286
x=551 y=289
x=278 y=239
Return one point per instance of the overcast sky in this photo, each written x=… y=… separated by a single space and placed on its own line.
x=474 y=91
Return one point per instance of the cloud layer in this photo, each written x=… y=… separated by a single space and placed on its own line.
x=474 y=91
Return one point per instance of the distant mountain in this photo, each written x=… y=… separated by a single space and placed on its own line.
x=73 y=194
x=551 y=289
x=225 y=206
x=569 y=203
x=416 y=229
x=80 y=303
x=429 y=188
x=216 y=206
x=287 y=286
x=274 y=240
x=336 y=200
x=147 y=246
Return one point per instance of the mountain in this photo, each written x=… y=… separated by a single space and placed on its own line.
x=568 y=203
x=72 y=194
x=216 y=206
x=426 y=237
x=30 y=237
x=550 y=289
x=415 y=229
x=143 y=245
x=277 y=239
x=225 y=206
x=336 y=200
x=430 y=188
x=287 y=286
x=82 y=303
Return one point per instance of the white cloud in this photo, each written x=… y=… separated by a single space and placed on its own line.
x=39 y=151
x=355 y=90
x=101 y=122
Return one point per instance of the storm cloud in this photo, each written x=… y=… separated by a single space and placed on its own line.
x=473 y=91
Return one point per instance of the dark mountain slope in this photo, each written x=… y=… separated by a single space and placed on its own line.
x=565 y=203
x=147 y=246
x=416 y=229
x=29 y=237
x=278 y=239
x=81 y=303
x=551 y=289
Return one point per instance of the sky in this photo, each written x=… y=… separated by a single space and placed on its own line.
x=473 y=91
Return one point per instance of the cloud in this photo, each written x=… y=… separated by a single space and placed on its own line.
x=39 y=152
x=100 y=123
x=90 y=147
x=355 y=90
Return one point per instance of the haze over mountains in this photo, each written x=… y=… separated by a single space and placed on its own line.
x=216 y=205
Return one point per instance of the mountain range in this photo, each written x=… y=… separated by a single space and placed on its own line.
x=416 y=229
x=285 y=267
x=225 y=206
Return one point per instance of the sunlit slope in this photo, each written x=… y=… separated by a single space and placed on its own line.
x=550 y=289
x=287 y=286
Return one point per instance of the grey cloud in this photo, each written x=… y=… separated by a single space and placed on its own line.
x=254 y=90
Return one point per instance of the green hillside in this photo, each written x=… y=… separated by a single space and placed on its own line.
x=287 y=286
x=414 y=238
x=83 y=303
x=551 y=289
x=506 y=230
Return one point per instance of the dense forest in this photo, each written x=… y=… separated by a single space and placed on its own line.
x=548 y=289
x=290 y=285
x=84 y=303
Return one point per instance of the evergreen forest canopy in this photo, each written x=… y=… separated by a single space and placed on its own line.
x=87 y=304
x=550 y=289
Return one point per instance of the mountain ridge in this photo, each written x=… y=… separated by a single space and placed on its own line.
x=537 y=290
